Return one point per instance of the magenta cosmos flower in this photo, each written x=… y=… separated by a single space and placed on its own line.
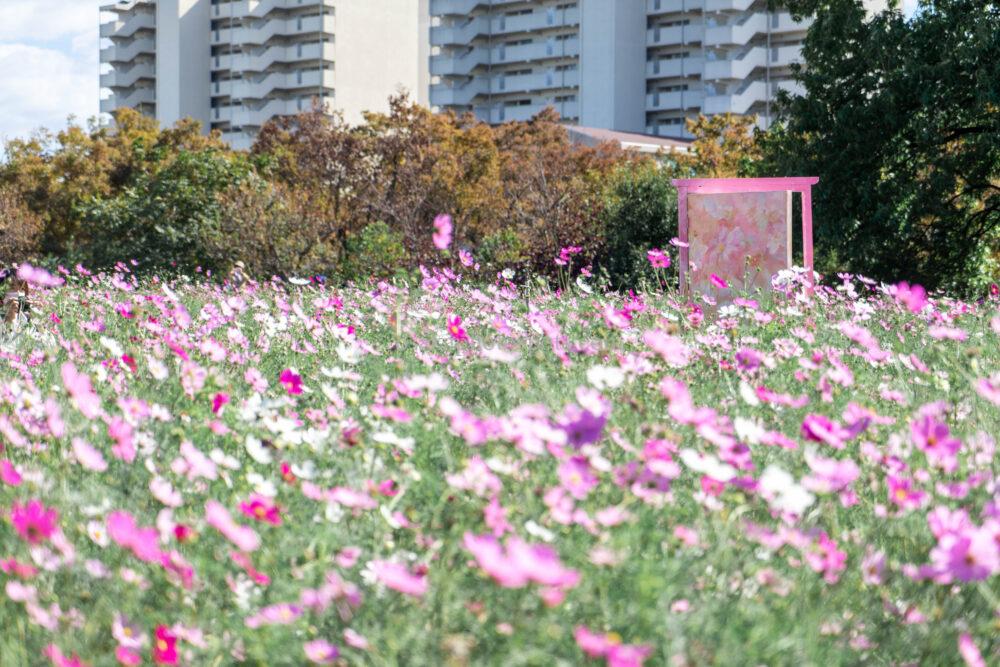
x=291 y=381
x=262 y=509
x=34 y=522
x=455 y=329
x=914 y=297
x=658 y=259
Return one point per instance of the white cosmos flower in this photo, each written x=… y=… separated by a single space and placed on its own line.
x=783 y=493
x=748 y=395
x=257 y=451
x=708 y=465
x=605 y=377
x=98 y=533
x=748 y=430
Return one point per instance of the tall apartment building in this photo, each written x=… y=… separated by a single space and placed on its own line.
x=630 y=65
x=234 y=64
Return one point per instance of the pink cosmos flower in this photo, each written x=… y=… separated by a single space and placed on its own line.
x=902 y=493
x=914 y=297
x=934 y=439
x=127 y=656
x=989 y=388
x=142 y=542
x=122 y=433
x=829 y=475
x=320 y=652
x=717 y=281
x=575 y=476
x=442 y=231
x=972 y=555
x=455 y=329
x=218 y=517
x=38 y=277
x=969 y=651
x=291 y=381
x=9 y=474
x=127 y=633
x=282 y=613
x=398 y=578
x=673 y=350
x=89 y=456
x=465 y=257
x=260 y=508
x=58 y=659
x=80 y=390
x=658 y=259
x=34 y=522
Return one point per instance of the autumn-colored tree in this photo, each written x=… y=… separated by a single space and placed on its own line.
x=20 y=229
x=57 y=173
x=725 y=146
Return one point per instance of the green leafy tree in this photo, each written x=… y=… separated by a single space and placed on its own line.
x=901 y=122
x=161 y=216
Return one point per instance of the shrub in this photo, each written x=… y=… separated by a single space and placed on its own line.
x=640 y=213
x=375 y=252
x=273 y=229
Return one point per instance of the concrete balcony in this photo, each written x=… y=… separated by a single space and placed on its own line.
x=238 y=141
x=126 y=78
x=133 y=99
x=727 y=5
x=129 y=25
x=127 y=7
x=458 y=64
x=262 y=61
x=267 y=30
x=261 y=8
x=758 y=57
x=751 y=25
x=656 y=7
x=505 y=114
x=461 y=94
x=128 y=52
x=243 y=89
x=738 y=102
x=674 y=67
x=539 y=50
x=674 y=99
x=255 y=116
x=526 y=83
x=538 y=20
x=457 y=7
x=675 y=34
x=459 y=34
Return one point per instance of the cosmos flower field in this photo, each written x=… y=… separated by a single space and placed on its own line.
x=458 y=474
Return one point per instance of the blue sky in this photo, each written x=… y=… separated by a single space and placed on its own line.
x=49 y=63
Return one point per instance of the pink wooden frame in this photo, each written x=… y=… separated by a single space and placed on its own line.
x=714 y=186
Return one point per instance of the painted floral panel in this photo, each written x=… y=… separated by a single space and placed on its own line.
x=743 y=238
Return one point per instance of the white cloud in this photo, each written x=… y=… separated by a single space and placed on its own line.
x=46 y=20
x=49 y=64
x=42 y=86
x=909 y=7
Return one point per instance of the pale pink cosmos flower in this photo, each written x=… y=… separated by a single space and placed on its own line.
x=576 y=477
x=89 y=456
x=81 y=391
x=38 y=277
x=398 y=578
x=969 y=651
x=219 y=518
x=442 y=231
x=320 y=652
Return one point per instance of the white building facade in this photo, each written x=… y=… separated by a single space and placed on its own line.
x=234 y=64
x=628 y=65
